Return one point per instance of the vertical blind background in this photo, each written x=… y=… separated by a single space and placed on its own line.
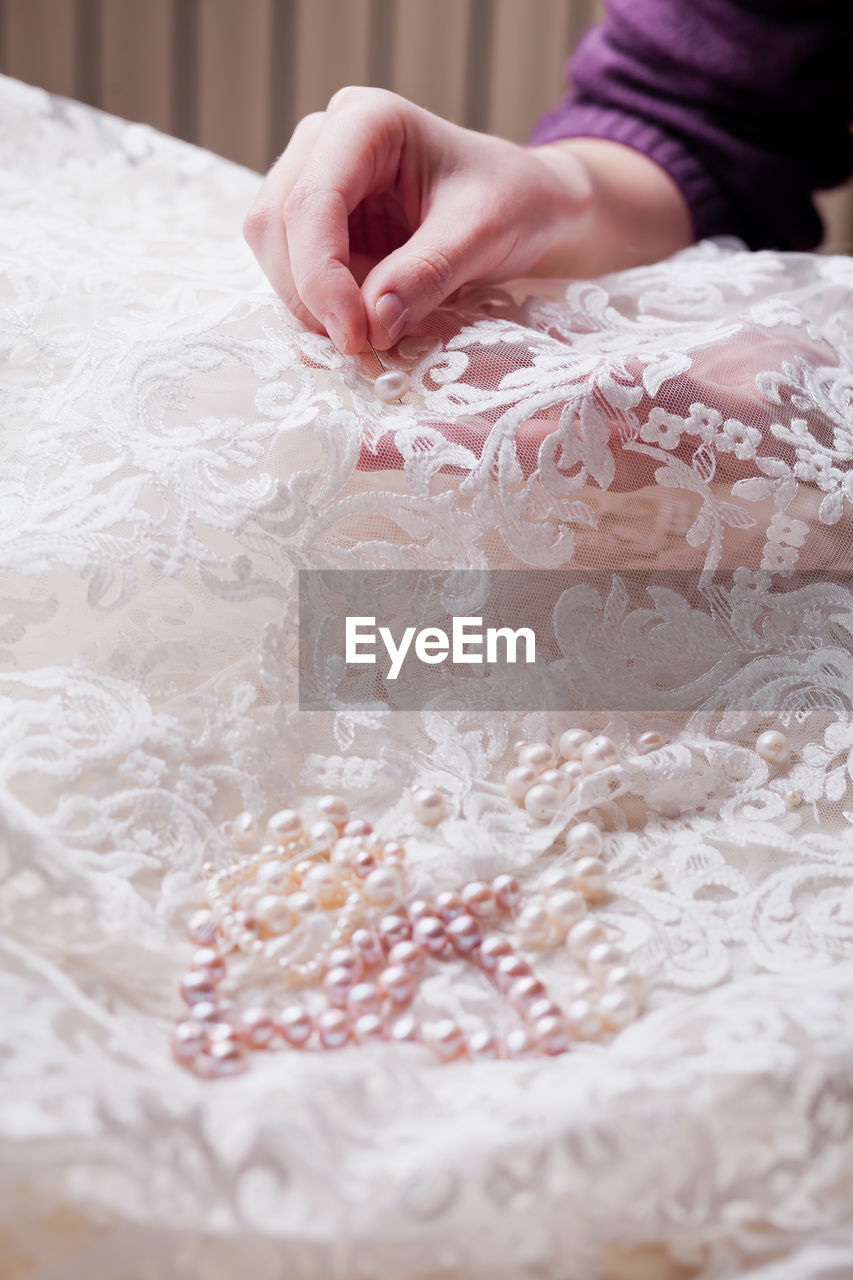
x=236 y=75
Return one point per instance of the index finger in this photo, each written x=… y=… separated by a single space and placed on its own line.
x=356 y=154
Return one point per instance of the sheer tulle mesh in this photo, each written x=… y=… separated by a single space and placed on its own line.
x=174 y=450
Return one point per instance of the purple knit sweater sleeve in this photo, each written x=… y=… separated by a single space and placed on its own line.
x=745 y=103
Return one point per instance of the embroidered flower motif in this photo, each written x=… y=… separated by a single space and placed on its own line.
x=777 y=556
x=662 y=428
x=702 y=421
x=749 y=582
x=786 y=530
x=817 y=467
x=737 y=437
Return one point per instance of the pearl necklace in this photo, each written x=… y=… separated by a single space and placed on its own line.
x=376 y=944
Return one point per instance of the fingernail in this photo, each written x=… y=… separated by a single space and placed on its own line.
x=337 y=331
x=392 y=314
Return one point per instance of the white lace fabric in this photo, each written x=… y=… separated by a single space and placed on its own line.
x=174 y=449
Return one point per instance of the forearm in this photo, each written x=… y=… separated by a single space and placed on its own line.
x=634 y=214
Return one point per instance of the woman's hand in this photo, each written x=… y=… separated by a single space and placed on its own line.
x=378 y=211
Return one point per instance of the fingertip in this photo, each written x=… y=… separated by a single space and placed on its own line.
x=347 y=331
x=392 y=313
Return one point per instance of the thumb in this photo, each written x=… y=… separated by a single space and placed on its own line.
x=450 y=248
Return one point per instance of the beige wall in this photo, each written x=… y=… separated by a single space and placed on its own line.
x=235 y=75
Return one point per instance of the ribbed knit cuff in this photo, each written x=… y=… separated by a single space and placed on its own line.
x=708 y=208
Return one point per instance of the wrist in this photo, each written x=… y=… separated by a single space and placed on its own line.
x=632 y=213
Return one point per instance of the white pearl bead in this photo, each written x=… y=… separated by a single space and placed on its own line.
x=337 y=984
x=324 y=884
x=599 y=753
x=464 y=933
x=572 y=743
x=565 y=909
x=519 y=781
x=507 y=892
x=209 y=961
x=295 y=1024
x=197 y=987
x=393 y=929
x=341 y=855
x=773 y=747
x=793 y=799
x=188 y=1040
x=409 y=954
x=584 y=840
x=405 y=1030
x=382 y=887
x=574 y=771
x=478 y=898
x=322 y=835
x=285 y=826
x=557 y=779
x=618 y=1009
x=245 y=829
x=428 y=806
x=584 y=936
x=366 y=945
x=591 y=878
x=273 y=877
x=397 y=984
x=391 y=385
x=538 y=755
x=273 y=914
x=448 y=905
x=520 y=1043
x=584 y=1019
x=482 y=1044
x=621 y=978
x=429 y=932
x=446 y=1039
x=544 y=1007
x=525 y=992
x=542 y=801
x=559 y=878
x=534 y=925
x=226 y=1058
x=333 y=809
x=346 y=958
x=602 y=958
x=333 y=1028
x=493 y=949
x=584 y=988
x=364 y=998
x=209 y=1011
x=368 y=1028
x=302 y=903
x=201 y=927
x=651 y=740
x=256 y=1028
x=358 y=827
x=552 y=1034
x=508 y=969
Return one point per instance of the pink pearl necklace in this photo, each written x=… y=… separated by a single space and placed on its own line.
x=324 y=910
x=339 y=890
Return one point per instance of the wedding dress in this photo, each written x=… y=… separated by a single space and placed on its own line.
x=175 y=449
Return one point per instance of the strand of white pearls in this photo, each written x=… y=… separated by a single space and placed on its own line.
x=363 y=978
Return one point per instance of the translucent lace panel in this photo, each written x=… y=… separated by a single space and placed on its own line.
x=174 y=450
